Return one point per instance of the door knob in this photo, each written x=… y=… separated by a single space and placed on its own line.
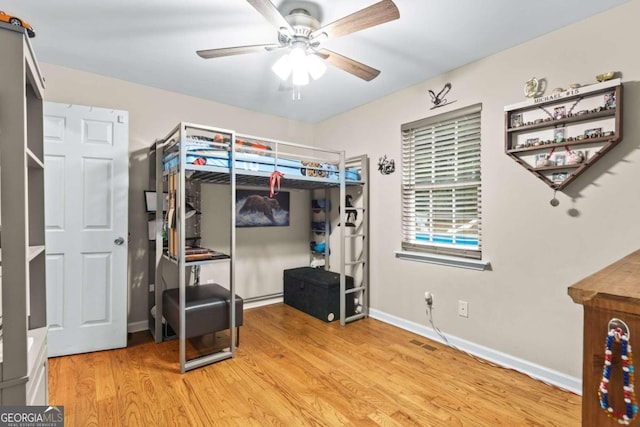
x=119 y=241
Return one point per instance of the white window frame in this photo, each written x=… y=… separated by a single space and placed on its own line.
x=420 y=240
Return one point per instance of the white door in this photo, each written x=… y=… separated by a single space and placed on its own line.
x=86 y=209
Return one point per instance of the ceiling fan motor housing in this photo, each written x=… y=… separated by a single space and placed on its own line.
x=302 y=22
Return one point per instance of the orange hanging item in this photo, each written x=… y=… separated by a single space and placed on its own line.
x=274 y=180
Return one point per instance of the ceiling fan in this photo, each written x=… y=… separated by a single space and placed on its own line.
x=300 y=32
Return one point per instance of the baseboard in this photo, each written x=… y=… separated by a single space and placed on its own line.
x=533 y=370
x=248 y=304
x=140 y=326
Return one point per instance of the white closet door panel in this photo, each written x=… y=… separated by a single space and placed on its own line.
x=54 y=128
x=55 y=290
x=97 y=288
x=97 y=132
x=87 y=226
x=54 y=194
x=97 y=200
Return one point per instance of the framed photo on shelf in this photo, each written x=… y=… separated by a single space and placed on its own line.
x=559 y=159
x=516 y=120
x=610 y=100
x=559 y=134
x=559 y=176
x=593 y=133
x=542 y=160
x=532 y=142
x=559 y=112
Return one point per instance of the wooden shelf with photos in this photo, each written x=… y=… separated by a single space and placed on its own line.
x=557 y=137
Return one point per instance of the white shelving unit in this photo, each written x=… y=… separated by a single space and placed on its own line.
x=23 y=353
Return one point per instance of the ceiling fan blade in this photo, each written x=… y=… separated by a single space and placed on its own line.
x=271 y=14
x=238 y=50
x=349 y=65
x=376 y=14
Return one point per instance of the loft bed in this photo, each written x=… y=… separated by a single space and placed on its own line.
x=204 y=154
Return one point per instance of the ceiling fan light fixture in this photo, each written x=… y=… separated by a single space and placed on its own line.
x=283 y=67
x=300 y=76
x=297 y=64
x=315 y=66
x=300 y=31
x=298 y=56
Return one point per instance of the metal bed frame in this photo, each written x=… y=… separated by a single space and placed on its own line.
x=176 y=140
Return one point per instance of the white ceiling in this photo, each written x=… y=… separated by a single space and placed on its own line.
x=153 y=42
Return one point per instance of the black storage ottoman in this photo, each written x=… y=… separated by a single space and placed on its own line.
x=316 y=292
x=206 y=311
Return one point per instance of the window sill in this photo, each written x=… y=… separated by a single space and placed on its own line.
x=451 y=261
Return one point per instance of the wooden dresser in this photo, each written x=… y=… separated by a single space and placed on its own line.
x=611 y=293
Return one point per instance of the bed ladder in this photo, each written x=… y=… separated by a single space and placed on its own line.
x=354 y=247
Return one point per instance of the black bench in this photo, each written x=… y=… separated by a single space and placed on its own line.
x=206 y=311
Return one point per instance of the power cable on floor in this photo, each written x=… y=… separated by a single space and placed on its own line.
x=429 y=313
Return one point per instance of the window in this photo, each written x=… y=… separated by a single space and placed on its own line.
x=441 y=184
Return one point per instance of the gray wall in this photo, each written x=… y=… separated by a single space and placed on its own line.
x=536 y=251
x=261 y=252
x=152 y=114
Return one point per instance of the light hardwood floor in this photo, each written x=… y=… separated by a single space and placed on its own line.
x=294 y=370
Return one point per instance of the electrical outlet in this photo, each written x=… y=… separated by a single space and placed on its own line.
x=463 y=308
x=152 y=287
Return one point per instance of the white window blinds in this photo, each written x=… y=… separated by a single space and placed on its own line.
x=441 y=184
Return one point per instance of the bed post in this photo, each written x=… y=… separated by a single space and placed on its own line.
x=180 y=184
x=158 y=334
x=232 y=259
x=343 y=220
x=365 y=244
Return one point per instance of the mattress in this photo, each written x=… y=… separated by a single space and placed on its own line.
x=204 y=155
